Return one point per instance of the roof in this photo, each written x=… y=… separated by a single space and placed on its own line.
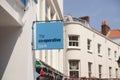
x=114 y=33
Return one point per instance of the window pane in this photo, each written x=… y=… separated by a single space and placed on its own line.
x=110 y=69
x=74 y=64
x=99 y=48
x=70 y=37
x=74 y=74
x=88 y=44
x=108 y=52
x=73 y=40
x=76 y=43
x=116 y=72
x=115 y=54
x=88 y=47
x=100 y=71
x=89 y=69
x=70 y=43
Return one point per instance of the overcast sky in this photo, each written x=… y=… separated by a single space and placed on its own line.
x=97 y=10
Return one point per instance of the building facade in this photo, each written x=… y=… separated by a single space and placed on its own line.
x=88 y=53
x=16 y=56
x=50 y=10
x=16 y=25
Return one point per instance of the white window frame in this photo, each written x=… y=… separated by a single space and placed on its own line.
x=115 y=55
x=109 y=53
x=116 y=72
x=89 y=45
x=100 y=71
x=89 y=69
x=110 y=72
x=99 y=46
x=74 y=69
x=74 y=43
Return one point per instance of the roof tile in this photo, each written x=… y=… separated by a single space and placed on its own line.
x=114 y=33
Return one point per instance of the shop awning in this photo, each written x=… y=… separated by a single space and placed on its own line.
x=48 y=70
x=39 y=64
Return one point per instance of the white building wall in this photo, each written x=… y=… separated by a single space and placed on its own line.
x=16 y=56
x=14 y=9
x=100 y=59
x=60 y=2
x=48 y=10
x=85 y=56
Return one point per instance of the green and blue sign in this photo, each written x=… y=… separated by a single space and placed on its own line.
x=49 y=35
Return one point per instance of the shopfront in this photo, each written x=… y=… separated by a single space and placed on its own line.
x=46 y=72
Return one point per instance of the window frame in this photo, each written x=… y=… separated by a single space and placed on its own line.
x=110 y=72
x=115 y=55
x=72 y=43
x=89 y=69
x=88 y=44
x=100 y=71
x=76 y=70
x=116 y=72
x=99 y=48
x=109 y=53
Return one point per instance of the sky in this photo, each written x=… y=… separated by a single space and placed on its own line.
x=97 y=10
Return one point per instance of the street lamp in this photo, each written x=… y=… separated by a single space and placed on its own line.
x=118 y=61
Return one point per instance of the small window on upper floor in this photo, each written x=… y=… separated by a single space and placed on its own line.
x=115 y=55
x=109 y=53
x=89 y=44
x=89 y=69
x=100 y=71
x=73 y=41
x=110 y=72
x=116 y=72
x=99 y=50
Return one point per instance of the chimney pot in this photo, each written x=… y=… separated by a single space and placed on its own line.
x=105 y=27
x=86 y=18
x=105 y=23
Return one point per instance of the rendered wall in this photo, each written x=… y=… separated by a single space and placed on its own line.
x=83 y=54
x=54 y=58
x=16 y=57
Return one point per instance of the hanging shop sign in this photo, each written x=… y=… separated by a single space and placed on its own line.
x=49 y=35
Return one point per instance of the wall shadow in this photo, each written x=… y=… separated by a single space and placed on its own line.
x=8 y=39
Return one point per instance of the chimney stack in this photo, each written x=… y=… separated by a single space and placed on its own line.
x=105 y=27
x=86 y=18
